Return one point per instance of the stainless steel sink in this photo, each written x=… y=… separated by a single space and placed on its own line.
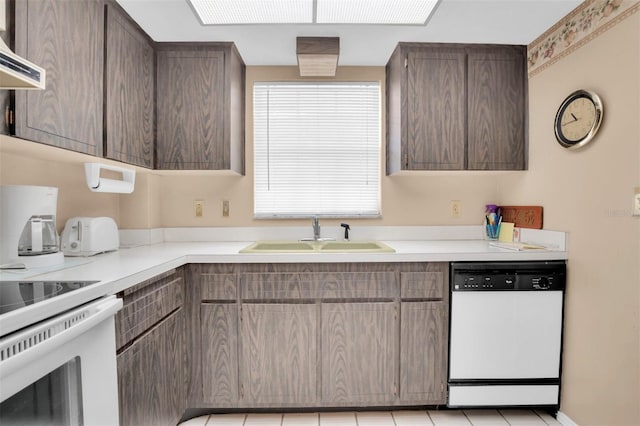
x=317 y=247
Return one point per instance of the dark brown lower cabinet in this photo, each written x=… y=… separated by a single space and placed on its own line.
x=423 y=362
x=278 y=354
x=150 y=340
x=279 y=336
x=317 y=335
x=219 y=337
x=359 y=353
x=151 y=375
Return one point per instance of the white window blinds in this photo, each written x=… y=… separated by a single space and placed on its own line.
x=317 y=149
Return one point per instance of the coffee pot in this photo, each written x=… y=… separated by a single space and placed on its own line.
x=39 y=236
x=28 y=235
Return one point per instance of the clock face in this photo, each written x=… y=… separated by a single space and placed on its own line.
x=578 y=119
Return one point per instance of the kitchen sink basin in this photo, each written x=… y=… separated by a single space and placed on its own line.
x=317 y=247
x=279 y=247
x=356 y=246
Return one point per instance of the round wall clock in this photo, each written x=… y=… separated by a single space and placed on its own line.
x=578 y=119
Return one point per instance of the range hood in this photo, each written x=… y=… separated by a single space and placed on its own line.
x=16 y=72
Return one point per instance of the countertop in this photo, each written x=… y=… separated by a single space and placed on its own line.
x=121 y=269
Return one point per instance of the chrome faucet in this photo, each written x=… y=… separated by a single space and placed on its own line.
x=316 y=228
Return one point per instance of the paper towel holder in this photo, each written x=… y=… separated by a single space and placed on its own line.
x=99 y=184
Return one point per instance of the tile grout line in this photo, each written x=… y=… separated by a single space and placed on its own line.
x=540 y=417
x=466 y=417
x=502 y=415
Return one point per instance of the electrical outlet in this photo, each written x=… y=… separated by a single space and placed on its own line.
x=455 y=208
x=636 y=202
x=225 y=208
x=198 y=208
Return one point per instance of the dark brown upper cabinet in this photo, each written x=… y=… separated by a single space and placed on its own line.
x=67 y=39
x=129 y=91
x=200 y=107
x=456 y=107
x=497 y=108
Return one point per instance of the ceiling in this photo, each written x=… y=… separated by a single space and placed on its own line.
x=454 y=21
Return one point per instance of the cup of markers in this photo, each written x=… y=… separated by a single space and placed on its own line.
x=493 y=219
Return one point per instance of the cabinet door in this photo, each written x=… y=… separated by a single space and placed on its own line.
x=66 y=38
x=359 y=342
x=129 y=91
x=435 y=119
x=5 y=94
x=219 y=328
x=278 y=359
x=191 y=112
x=150 y=376
x=423 y=353
x=497 y=109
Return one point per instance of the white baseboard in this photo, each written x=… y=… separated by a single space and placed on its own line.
x=565 y=420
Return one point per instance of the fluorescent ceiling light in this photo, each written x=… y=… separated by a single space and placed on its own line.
x=401 y=12
x=230 y=12
x=237 y=12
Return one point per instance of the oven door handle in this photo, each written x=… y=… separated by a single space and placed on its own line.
x=23 y=347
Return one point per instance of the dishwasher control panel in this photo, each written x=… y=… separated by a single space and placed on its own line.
x=508 y=276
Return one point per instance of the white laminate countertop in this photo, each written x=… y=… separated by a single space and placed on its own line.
x=121 y=269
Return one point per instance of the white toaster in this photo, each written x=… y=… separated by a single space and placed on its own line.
x=86 y=236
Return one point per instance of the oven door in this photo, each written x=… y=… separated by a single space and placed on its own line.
x=62 y=371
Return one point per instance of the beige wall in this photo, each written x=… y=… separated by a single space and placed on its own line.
x=411 y=199
x=589 y=193
x=29 y=163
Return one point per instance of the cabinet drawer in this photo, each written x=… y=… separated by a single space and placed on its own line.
x=144 y=308
x=218 y=287
x=359 y=285
x=316 y=285
x=422 y=285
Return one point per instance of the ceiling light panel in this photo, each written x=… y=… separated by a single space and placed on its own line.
x=399 y=12
x=237 y=12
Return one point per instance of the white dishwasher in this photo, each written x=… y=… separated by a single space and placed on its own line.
x=506 y=333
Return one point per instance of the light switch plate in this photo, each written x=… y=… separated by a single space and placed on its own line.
x=636 y=202
x=455 y=208
x=198 y=208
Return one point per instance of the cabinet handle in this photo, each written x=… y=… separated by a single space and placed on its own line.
x=8 y=119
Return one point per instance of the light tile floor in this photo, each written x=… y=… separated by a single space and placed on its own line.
x=382 y=418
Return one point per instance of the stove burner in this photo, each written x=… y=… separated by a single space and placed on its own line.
x=18 y=294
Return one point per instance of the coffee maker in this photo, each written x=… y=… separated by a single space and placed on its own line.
x=28 y=235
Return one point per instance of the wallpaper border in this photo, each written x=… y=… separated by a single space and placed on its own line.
x=586 y=22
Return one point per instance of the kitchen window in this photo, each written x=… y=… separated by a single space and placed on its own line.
x=316 y=149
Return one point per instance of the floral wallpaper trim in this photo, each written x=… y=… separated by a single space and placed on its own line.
x=583 y=24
